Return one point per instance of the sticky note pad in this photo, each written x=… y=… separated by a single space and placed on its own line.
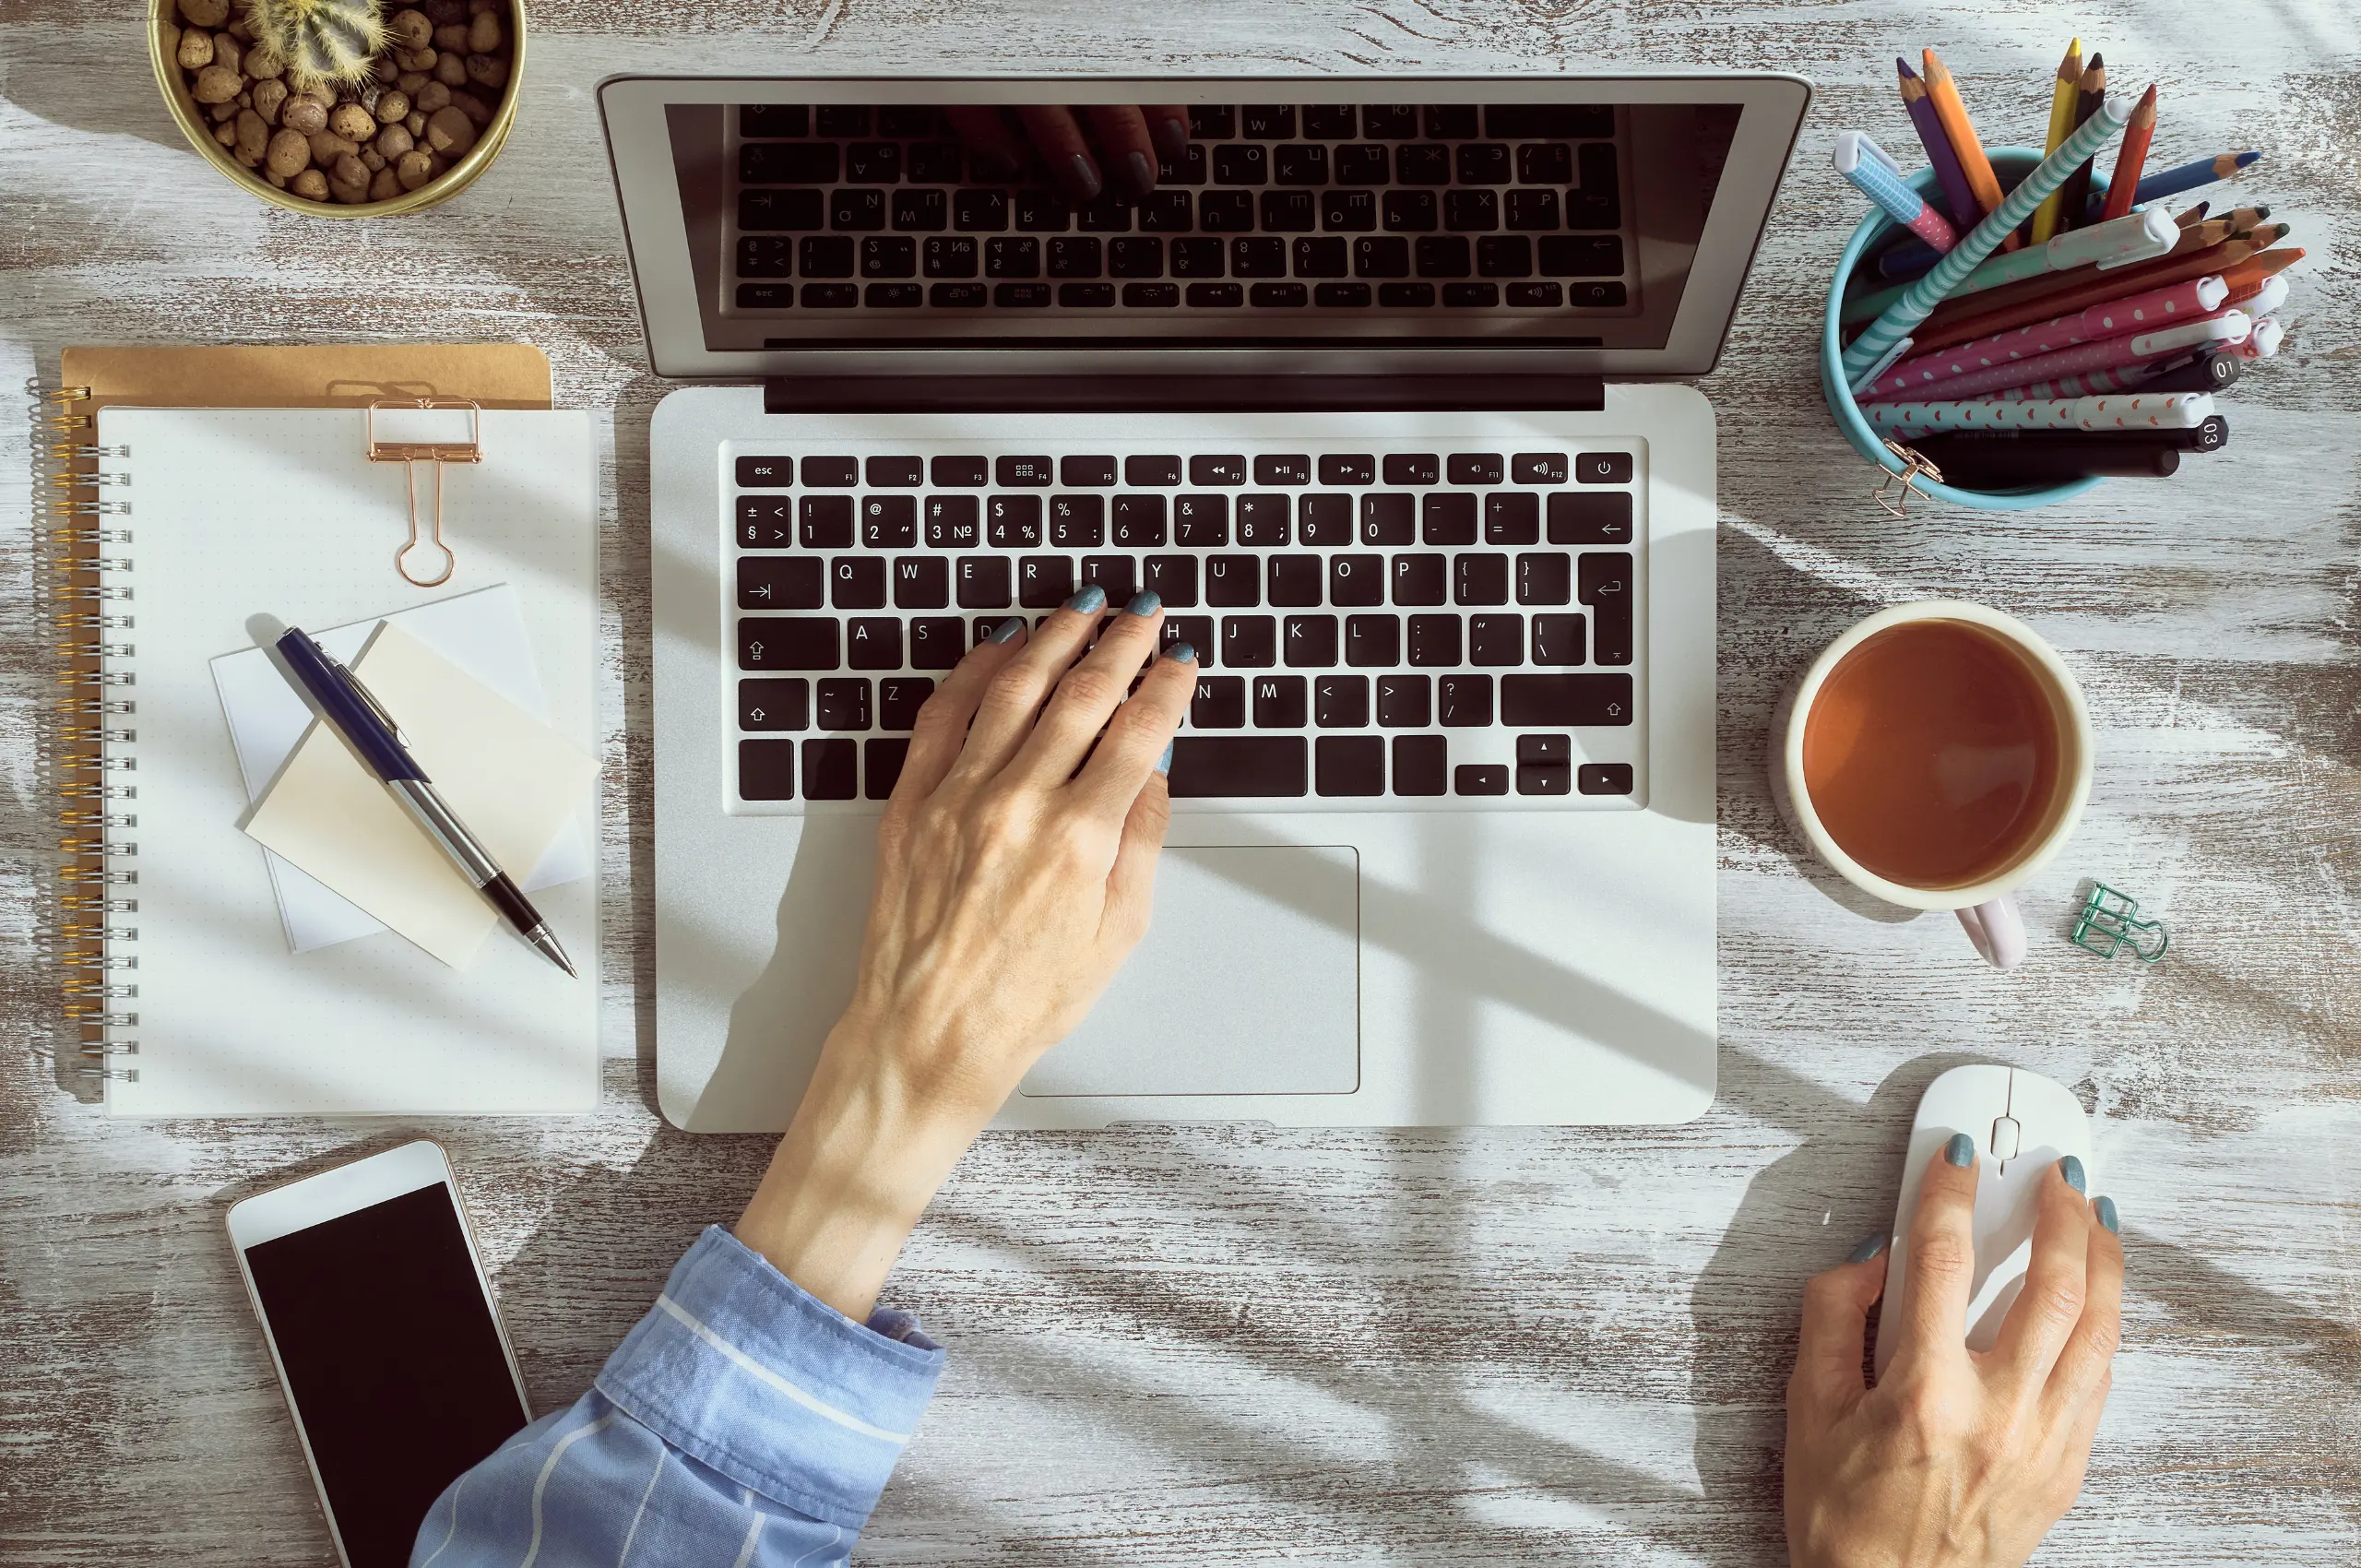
x=514 y=781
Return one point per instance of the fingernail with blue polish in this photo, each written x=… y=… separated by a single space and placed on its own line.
x=1961 y=1150
x=1164 y=764
x=1144 y=603
x=1172 y=138
x=1006 y=631
x=1082 y=178
x=2105 y=1206
x=1181 y=653
x=2072 y=1168
x=1869 y=1248
x=1142 y=175
x=1089 y=601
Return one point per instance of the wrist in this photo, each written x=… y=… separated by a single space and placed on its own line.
x=866 y=1151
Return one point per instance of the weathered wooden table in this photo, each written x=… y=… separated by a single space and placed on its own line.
x=1206 y=1344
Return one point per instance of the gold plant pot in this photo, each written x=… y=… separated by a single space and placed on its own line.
x=163 y=38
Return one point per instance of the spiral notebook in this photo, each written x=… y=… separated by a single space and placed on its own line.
x=181 y=986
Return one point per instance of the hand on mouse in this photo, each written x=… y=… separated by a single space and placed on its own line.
x=1128 y=143
x=1957 y=1458
x=1014 y=867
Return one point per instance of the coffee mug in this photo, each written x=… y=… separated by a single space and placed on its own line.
x=1936 y=757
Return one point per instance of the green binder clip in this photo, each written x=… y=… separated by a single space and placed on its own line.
x=2110 y=922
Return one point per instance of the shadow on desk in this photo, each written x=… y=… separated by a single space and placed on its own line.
x=1804 y=1213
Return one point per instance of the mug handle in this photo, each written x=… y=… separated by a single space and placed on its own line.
x=1998 y=930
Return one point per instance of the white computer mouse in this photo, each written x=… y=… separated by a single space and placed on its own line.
x=2023 y=1125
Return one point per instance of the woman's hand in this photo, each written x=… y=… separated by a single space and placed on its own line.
x=1129 y=142
x=1957 y=1458
x=1014 y=868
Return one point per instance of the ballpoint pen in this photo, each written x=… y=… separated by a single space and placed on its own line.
x=371 y=732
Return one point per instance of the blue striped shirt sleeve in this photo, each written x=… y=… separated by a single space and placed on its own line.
x=741 y=1422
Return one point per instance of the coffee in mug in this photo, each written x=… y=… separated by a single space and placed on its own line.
x=1936 y=755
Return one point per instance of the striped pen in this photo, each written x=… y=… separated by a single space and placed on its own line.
x=2106 y=354
x=1876 y=176
x=2111 y=318
x=2142 y=236
x=2130 y=410
x=1923 y=296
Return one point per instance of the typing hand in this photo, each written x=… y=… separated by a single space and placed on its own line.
x=1957 y=1458
x=1014 y=868
x=1129 y=140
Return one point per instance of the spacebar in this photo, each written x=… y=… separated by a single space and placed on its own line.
x=1237 y=765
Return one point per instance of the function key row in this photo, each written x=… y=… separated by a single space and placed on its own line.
x=1165 y=471
x=921 y=209
x=1190 y=521
x=1477 y=165
x=1223 y=122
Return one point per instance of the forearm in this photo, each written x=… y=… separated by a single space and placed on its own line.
x=855 y=1169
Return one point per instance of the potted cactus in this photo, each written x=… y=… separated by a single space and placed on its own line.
x=351 y=108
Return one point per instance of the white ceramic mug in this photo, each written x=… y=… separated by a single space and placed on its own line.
x=1983 y=908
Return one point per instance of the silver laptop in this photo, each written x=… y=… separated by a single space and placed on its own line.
x=1377 y=387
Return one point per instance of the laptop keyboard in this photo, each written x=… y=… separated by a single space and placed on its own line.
x=1324 y=207
x=1377 y=624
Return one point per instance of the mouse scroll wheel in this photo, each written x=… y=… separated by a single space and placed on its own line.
x=2004 y=1138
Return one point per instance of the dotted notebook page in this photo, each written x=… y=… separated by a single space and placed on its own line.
x=240 y=513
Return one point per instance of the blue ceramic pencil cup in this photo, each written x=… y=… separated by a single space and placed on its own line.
x=2011 y=164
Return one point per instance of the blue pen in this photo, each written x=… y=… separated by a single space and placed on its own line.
x=365 y=725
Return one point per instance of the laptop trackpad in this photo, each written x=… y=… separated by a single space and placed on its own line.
x=1248 y=982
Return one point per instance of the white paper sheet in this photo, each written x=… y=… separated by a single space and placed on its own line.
x=483 y=633
x=510 y=777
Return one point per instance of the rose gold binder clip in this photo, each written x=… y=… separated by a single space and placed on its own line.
x=1913 y=465
x=410 y=454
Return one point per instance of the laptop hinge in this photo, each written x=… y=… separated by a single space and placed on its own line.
x=1541 y=392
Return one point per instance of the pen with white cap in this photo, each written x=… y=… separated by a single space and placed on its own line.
x=365 y=727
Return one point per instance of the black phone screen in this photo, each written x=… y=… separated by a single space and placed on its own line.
x=395 y=1361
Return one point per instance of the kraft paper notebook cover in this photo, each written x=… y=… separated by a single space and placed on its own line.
x=209 y=505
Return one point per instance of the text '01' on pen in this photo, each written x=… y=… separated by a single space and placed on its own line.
x=369 y=730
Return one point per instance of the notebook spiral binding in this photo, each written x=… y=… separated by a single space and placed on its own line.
x=86 y=611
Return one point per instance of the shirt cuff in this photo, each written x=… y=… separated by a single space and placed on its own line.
x=742 y=1370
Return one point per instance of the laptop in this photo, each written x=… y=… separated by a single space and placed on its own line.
x=1380 y=387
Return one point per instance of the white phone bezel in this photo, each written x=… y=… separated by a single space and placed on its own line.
x=314 y=1200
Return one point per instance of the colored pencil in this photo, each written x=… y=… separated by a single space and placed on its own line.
x=2194 y=215
x=2244 y=218
x=2132 y=410
x=1958 y=198
x=2105 y=354
x=1949 y=109
x=2061 y=126
x=2138 y=132
x=2092 y=94
x=2189 y=176
x=2220 y=260
x=2188 y=243
x=1903 y=318
x=2142 y=236
x=2243 y=274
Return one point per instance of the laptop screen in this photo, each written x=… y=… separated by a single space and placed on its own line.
x=915 y=215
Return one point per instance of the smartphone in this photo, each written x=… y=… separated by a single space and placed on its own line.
x=374 y=1304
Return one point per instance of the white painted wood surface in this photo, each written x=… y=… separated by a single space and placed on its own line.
x=1233 y=1344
